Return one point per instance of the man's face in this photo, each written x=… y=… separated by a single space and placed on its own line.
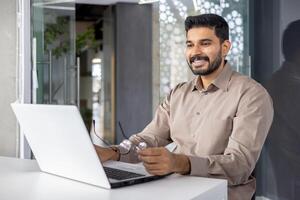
x=204 y=52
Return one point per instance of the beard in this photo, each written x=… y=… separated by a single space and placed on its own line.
x=212 y=66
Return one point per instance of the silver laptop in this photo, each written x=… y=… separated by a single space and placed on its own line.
x=61 y=145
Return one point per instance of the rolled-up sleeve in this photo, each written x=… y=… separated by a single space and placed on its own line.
x=250 y=127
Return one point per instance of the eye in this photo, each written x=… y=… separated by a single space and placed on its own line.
x=206 y=43
x=189 y=45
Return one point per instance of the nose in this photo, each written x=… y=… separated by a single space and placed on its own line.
x=196 y=50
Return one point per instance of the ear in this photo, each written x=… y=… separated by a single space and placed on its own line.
x=225 y=47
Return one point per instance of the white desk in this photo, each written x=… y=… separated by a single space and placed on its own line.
x=21 y=179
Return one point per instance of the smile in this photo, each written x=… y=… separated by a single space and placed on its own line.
x=199 y=63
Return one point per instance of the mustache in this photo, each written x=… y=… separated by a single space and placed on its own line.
x=198 y=57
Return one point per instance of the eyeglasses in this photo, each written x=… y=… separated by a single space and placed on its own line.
x=126 y=145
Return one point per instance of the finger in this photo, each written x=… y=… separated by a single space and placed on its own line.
x=157 y=172
x=151 y=151
x=152 y=167
x=151 y=159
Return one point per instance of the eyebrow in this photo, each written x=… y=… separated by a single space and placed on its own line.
x=202 y=40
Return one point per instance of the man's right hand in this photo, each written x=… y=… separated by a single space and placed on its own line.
x=107 y=153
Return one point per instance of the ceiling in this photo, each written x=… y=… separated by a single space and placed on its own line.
x=88 y=12
x=105 y=2
x=95 y=2
x=68 y=4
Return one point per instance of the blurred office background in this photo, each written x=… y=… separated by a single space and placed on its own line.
x=117 y=60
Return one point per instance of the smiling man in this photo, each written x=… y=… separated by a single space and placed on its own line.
x=218 y=121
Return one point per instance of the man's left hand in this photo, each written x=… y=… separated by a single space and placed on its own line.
x=159 y=161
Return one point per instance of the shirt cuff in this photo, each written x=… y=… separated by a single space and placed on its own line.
x=199 y=166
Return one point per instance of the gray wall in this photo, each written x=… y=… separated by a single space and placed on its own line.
x=7 y=77
x=269 y=20
x=264 y=38
x=289 y=11
x=133 y=67
x=265 y=41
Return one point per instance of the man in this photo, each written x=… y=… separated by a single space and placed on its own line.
x=218 y=121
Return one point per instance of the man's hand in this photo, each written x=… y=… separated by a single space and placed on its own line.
x=159 y=161
x=110 y=153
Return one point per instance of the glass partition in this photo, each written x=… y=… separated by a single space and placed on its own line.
x=55 y=73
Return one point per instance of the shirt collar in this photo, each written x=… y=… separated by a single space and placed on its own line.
x=196 y=84
x=221 y=82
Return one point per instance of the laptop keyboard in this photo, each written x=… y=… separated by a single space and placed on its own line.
x=120 y=174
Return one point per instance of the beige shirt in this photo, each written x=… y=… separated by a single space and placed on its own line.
x=221 y=129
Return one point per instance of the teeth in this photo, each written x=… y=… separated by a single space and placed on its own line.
x=199 y=62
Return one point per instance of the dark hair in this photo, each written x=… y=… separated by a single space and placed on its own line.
x=290 y=41
x=212 y=21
